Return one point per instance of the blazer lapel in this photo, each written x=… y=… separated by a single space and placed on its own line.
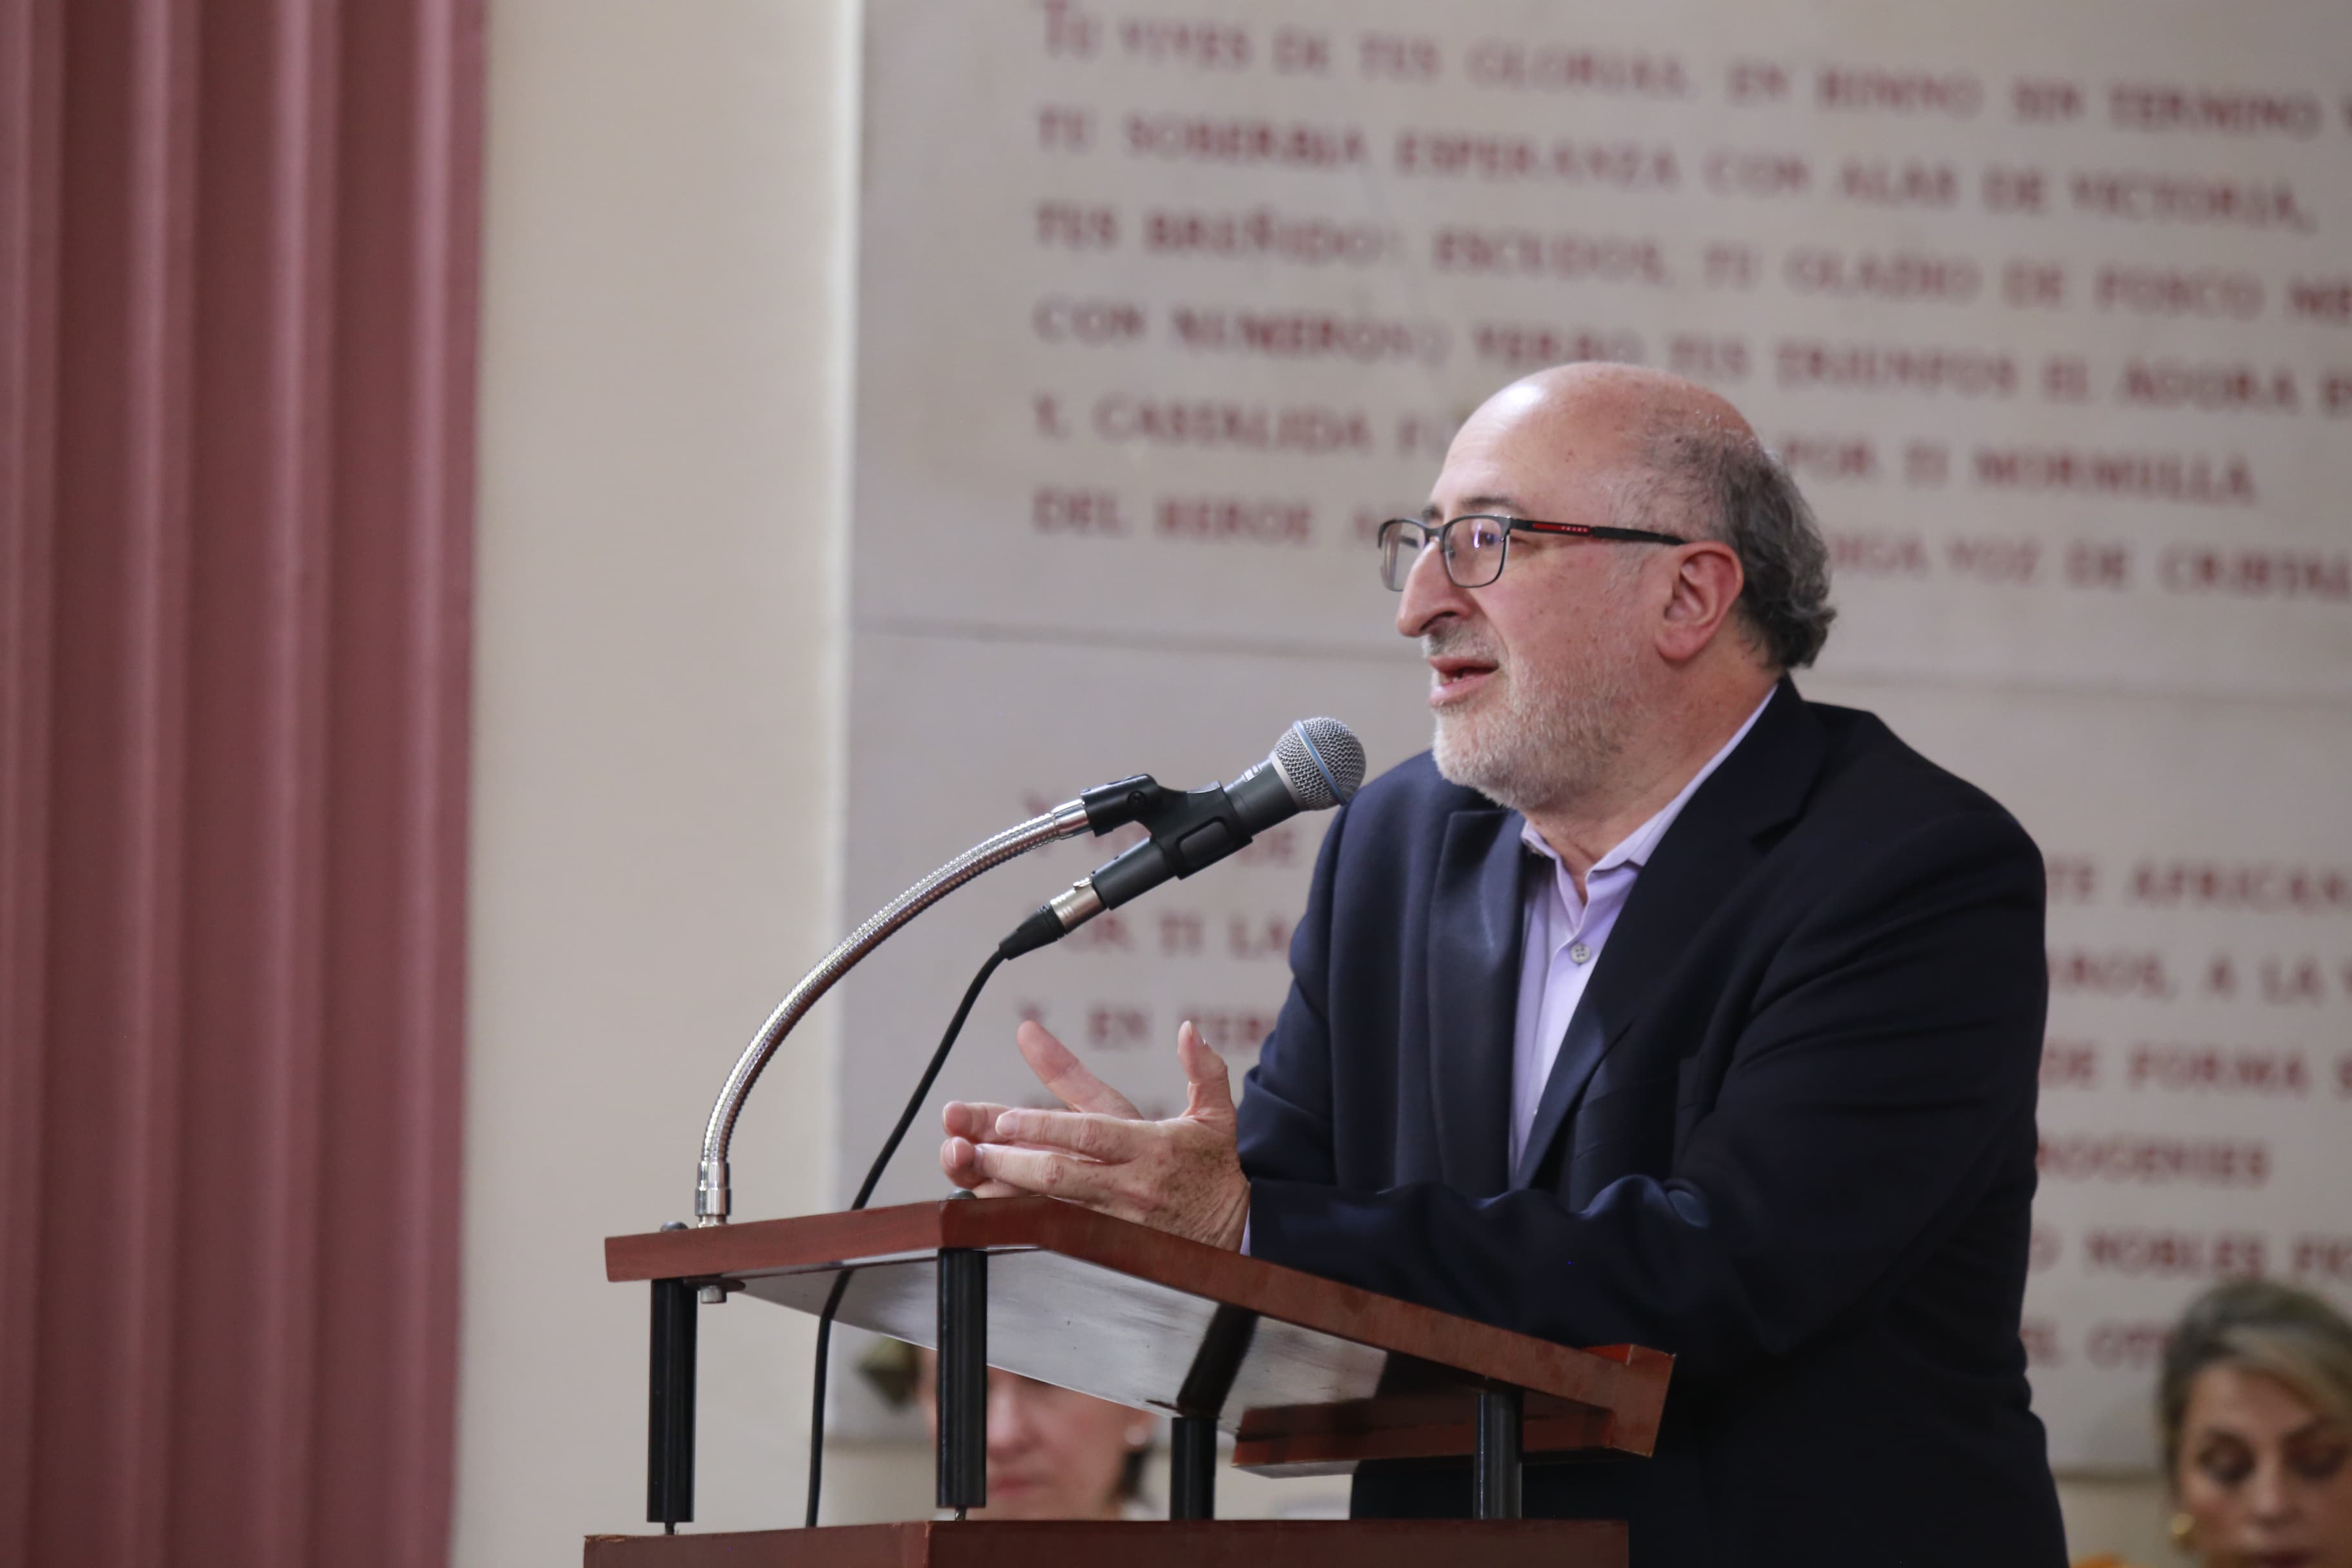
x=1474 y=995
x=1711 y=845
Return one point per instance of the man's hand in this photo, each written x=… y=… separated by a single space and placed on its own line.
x=1182 y=1175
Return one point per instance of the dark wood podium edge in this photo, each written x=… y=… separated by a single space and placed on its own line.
x=1626 y=1382
x=1192 y=1543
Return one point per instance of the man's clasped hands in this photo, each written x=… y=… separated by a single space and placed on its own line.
x=1182 y=1175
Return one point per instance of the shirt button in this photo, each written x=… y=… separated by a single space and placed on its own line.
x=1579 y=954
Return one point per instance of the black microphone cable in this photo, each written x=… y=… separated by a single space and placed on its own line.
x=865 y=1192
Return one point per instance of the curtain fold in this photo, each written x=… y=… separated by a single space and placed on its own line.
x=237 y=259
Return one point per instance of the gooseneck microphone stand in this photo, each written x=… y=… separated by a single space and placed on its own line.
x=1064 y=821
x=1315 y=765
x=669 y=1486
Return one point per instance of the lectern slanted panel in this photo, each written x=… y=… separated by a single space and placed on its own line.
x=1303 y=1370
x=1064 y=1320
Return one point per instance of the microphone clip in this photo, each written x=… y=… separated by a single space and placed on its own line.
x=1115 y=805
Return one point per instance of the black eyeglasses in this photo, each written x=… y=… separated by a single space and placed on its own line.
x=1473 y=547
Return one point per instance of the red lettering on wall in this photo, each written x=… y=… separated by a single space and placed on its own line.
x=2149 y=106
x=1755 y=172
x=2268 y=887
x=2033 y=283
x=1526 y=347
x=1872 y=552
x=1299 y=52
x=2191 y=478
x=1308 y=334
x=1232 y=520
x=1521 y=252
x=1619 y=166
x=2146 y=196
x=2170 y=1253
x=1704 y=358
x=1263 y=233
x=2070 y=1064
x=2327 y=300
x=1058 y=320
x=1202 y=138
x=2255 y=574
x=1227 y=1030
x=1956 y=95
x=1898 y=182
x=2217 y=1069
x=1899 y=275
x=1117 y=1027
x=2155 y=1160
x=1061 y=128
x=1257 y=937
x=1076 y=226
x=1307 y=429
x=2045 y=101
x=2093 y=563
x=1505 y=63
x=2072 y=879
x=2014 y=190
x=2006 y=561
x=1829 y=459
x=1205 y=46
x=2132 y=1344
x=1755 y=81
x=1810 y=363
x=2118 y=972
x=1093 y=512
x=2211 y=387
x=2211 y=291
x=1398 y=57
x=2325 y=1258
x=1181 y=933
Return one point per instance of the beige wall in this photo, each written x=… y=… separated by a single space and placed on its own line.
x=658 y=740
x=657 y=708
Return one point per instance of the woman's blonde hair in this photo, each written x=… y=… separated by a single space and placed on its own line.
x=2291 y=1334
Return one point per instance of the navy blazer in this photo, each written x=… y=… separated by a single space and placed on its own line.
x=1788 y=1138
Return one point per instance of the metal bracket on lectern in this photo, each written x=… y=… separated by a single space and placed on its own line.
x=1193 y=1435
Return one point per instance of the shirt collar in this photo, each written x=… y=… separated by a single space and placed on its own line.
x=1635 y=847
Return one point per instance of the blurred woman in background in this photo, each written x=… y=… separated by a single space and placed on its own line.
x=2255 y=1405
x=1051 y=1454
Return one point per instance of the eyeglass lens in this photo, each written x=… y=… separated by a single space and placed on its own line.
x=1473 y=550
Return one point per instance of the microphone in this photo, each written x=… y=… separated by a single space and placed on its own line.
x=1318 y=764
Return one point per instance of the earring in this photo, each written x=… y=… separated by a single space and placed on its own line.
x=2183 y=1530
x=1139 y=1437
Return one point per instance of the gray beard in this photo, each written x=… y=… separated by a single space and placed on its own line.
x=1540 y=739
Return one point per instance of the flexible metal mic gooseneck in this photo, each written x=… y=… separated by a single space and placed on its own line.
x=711 y=1189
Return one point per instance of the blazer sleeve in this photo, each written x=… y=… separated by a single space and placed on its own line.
x=1884 y=1079
x=1285 y=1118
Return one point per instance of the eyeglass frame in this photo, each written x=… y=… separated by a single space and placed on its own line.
x=1437 y=534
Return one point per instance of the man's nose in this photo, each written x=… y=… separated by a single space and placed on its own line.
x=1429 y=594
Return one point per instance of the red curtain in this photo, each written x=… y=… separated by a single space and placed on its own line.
x=238 y=262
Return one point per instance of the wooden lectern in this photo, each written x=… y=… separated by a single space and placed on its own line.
x=1308 y=1376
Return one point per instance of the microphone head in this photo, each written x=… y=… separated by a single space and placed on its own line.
x=1321 y=761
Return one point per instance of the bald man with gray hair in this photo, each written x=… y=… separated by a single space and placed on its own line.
x=1653 y=1004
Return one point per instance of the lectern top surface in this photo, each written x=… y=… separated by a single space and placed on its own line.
x=1130 y=1314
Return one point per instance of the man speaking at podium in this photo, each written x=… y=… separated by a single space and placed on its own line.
x=1654 y=1006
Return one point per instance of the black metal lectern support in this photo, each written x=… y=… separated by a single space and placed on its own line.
x=964 y=1379
x=670 y=1424
x=1495 y=1457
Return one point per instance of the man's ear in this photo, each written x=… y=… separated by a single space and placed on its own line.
x=1706 y=585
